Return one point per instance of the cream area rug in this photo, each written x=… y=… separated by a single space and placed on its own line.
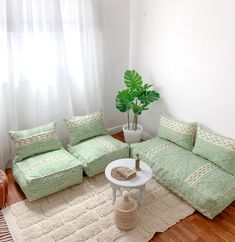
x=85 y=213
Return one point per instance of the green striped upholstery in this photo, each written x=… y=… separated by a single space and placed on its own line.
x=201 y=183
x=178 y=132
x=35 y=141
x=216 y=148
x=96 y=153
x=43 y=174
x=85 y=127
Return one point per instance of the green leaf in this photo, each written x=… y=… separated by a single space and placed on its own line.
x=137 y=96
x=137 y=110
x=146 y=87
x=139 y=90
x=148 y=97
x=132 y=79
x=123 y=100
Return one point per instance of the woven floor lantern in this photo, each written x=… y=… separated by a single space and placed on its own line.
x=126 y=212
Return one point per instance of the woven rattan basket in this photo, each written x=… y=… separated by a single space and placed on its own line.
x=126 y=212
x=3 y=188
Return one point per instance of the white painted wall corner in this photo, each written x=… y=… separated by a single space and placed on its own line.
x=146 y=136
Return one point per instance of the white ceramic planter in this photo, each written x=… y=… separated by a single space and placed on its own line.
x=132 y=136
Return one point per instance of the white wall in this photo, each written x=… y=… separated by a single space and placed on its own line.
x=115 y=16
x=187 y=48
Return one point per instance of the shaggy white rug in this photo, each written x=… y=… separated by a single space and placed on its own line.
x=85 y=213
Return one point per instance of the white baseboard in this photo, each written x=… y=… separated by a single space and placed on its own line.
x=115 y=129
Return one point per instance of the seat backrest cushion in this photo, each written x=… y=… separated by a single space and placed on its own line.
x=178 y=132
x=35 y=141
x=216 y=148
x=85 y=127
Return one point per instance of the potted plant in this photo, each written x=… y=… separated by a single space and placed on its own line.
x=134 y=100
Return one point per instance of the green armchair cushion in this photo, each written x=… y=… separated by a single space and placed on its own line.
x=35 y=141
x=43 y=174
x=204 y=185
x=179 y=132
x=216 y=148
x=96 y=153
x=85 y=127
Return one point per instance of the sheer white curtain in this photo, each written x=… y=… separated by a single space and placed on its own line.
x=50 y=62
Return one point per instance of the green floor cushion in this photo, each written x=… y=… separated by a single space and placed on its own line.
x=84 y=127
x=178 y=132
x=216 y=148
x=96 y=153
x=35 y=141
x=43 y=174
x=201 y=183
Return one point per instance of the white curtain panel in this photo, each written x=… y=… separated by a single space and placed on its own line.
x=50 y=64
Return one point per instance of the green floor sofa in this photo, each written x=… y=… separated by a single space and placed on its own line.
x=97 y=152
x=47 y=173
x=204 y=184
x=41 y=166
x=91 y=144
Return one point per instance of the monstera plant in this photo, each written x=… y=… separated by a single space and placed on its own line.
x=135 y=99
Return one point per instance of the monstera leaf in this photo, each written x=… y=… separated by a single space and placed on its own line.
x=138 y=109
x=132 y=79
x=148 y=97
x=146 y=87
x=140 y=89
x=123 y=100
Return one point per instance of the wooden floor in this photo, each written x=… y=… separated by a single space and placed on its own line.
x=196 y=227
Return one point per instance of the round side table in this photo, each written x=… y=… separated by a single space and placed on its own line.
x=139 y=182
x=3 y=188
